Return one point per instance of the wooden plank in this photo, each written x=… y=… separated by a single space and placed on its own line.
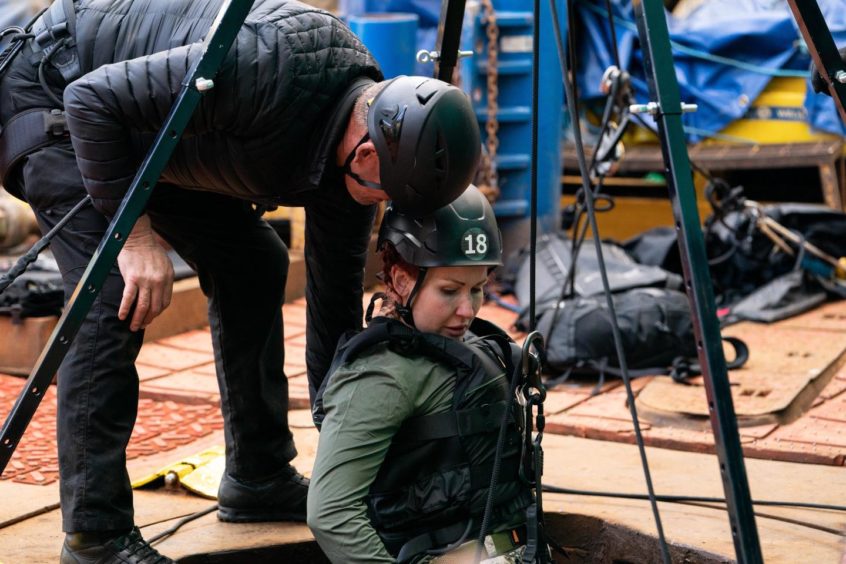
x=725 y=156
x=187 y=311
x=22 y=342
x=783 y=364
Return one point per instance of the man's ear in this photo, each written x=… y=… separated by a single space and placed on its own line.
x=364 y=153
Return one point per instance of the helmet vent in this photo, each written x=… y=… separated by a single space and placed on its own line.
x=426 y=90
x=415 y=190
x=391 y=126
x=414 y=240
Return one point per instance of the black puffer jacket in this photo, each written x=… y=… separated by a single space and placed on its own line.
x=258 y=135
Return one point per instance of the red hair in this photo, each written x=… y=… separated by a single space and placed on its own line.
x=392 y=258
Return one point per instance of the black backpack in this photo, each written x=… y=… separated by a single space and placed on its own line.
x=655 y=325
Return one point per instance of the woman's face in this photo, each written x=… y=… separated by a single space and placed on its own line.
x=449 y=299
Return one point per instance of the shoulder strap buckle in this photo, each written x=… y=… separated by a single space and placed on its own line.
x=54 y=38
x=55 y=123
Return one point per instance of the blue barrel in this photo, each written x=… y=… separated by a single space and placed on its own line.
x=390 y=37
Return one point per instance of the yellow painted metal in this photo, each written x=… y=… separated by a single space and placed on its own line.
x=777 y=116
x=205 y=480
x=633 y=215
x=199 y=473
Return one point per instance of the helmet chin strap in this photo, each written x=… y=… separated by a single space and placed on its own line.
x=404 y=311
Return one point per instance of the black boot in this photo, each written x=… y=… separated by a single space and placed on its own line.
x=105 y=548
x=282 y=498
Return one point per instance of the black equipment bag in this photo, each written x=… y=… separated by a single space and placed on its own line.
x=743 y=259
x=753 y=279
x=33 y=295
x=36 y=293
x=554 y=260
x=39 y=292
x=656 y=329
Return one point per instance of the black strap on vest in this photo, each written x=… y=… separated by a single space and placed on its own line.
x=437 y=538
x=385 y=330
x=27 y=132
x=452 y=423
x=53 y=36
x=351 y=345
x=55 y=33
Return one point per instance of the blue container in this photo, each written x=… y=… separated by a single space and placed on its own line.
x=390 y=37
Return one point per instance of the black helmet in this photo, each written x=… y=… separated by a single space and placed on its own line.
x=427 y=139
x=463 y=233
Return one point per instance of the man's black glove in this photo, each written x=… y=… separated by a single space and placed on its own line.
x=821 y=86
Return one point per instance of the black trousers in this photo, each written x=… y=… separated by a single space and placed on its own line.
x=242 y=266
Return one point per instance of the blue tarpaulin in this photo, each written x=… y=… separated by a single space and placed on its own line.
x=725 y=53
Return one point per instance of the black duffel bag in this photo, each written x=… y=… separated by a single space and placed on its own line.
x=655 y=326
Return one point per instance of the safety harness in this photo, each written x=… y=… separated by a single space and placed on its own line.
x=51 y=37
x=431 y=492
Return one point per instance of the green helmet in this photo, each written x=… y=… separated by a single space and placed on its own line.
x=463 y=233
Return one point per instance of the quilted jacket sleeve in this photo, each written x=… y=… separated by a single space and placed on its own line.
x=109 y=109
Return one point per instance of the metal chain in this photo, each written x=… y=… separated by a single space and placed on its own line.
x=490 y=175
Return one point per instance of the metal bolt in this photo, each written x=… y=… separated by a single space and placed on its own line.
x=653 y=108
x=424 y=56
x=463 y=54
x=650 y=108
x=171 y=479
x=204 y=84
x=840 y=76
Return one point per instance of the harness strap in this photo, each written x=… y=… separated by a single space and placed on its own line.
x=454 y=534
x=484 y=419
x=533 y=542
x=434 y=539
x=55 y=33
x=27 y=132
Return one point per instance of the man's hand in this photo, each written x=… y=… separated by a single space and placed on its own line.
x=147 y=274
x=819 y=85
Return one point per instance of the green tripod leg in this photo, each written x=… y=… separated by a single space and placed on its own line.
x=667 y=109
x=823 y=51
x=219 y=39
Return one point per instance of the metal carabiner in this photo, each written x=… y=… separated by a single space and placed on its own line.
x=532 y=364
x=14 y=46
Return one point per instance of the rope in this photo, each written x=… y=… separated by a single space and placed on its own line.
x=580 y=152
